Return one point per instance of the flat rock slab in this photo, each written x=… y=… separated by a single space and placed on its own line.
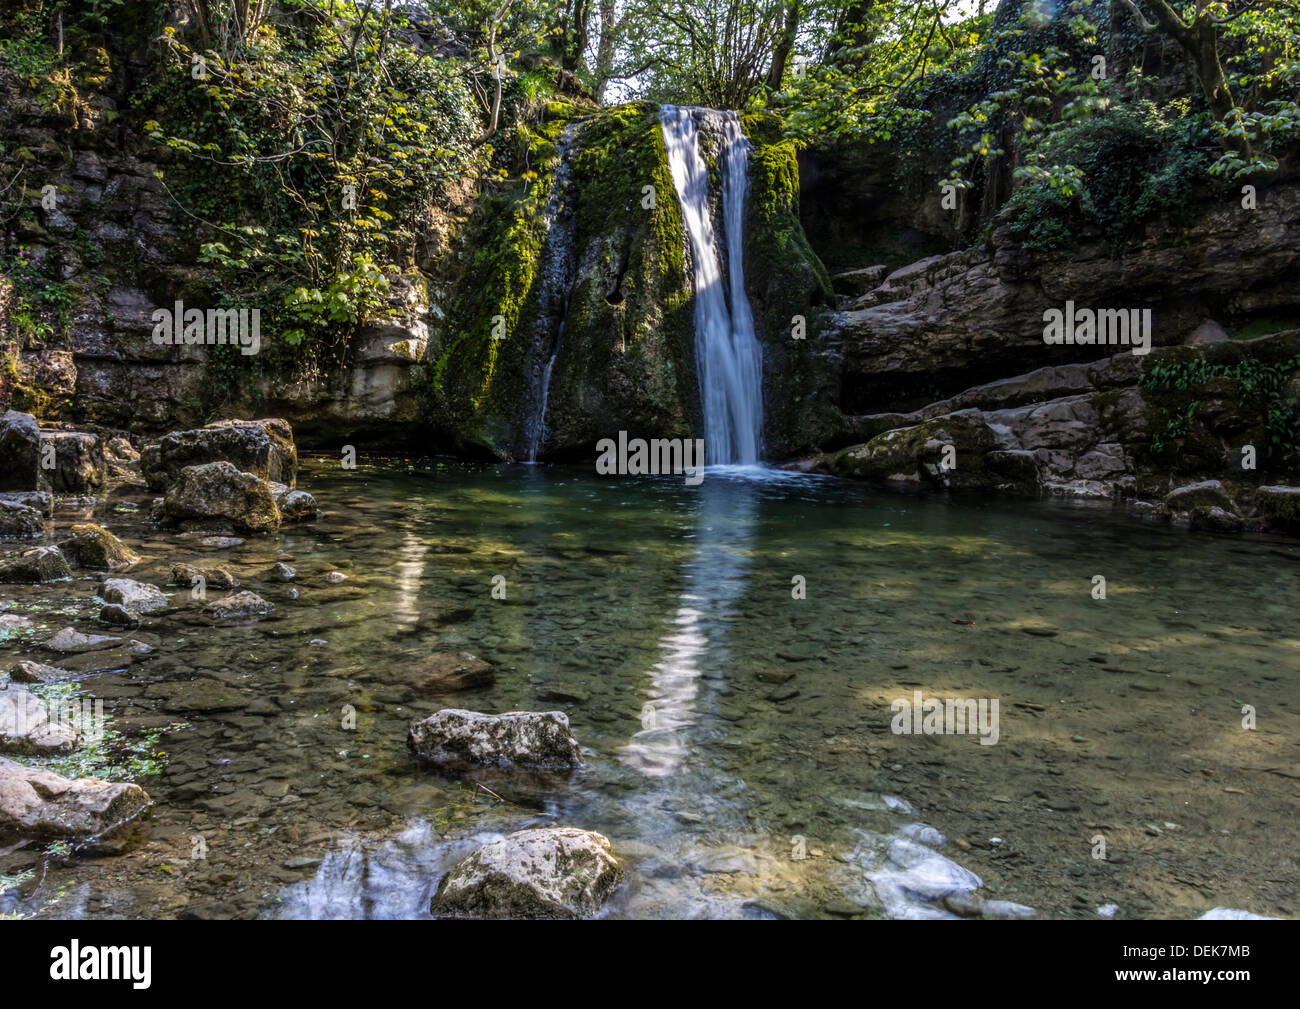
x=41 y=804
x=546 y=872
x=71 y=641
x=203 y=694
x=28 y=671
x=535 y=739
x=447 y=672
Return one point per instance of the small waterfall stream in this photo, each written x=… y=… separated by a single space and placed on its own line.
x=728 y=355
x=557 y=274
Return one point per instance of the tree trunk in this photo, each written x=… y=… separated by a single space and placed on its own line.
x=784 y=46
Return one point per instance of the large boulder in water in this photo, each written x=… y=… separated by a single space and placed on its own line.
x=533 y=739
x=262 y=447
x=20 y=451
x=79 y=465
x=219 y=492
x=546 y=872
x=40 y=804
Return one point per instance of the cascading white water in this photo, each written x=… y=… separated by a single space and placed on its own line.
x=557 y=269
x=730 y=360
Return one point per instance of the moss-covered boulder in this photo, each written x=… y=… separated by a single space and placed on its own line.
x=947 y=452
x=92 y=546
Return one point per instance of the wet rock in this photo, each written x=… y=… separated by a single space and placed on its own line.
x=209 y=576
x=70 y=641
x=136 y=598
x=92 y=546
x=202 y=694
x=27 y=726
x=218 y=491
x=1233 y=914
x=41 y=500
x=19 y=519
x=41 y=804
x=283 y=572
x=238 y=604
x=546 y=872
x=1208 y=331
x=448 y=672
x=116 y=615
x=335 y=577
x=1216 y=519
x=1280 y=506
x=42 y=564
x=28 y=671
x=539 y=739
x=297 y=506
x=1204 y=494
x=10 y=622
x=262 y=447
x=20 y=451
x=79 y=466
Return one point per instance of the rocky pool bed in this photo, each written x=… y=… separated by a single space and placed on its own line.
x=298 y=669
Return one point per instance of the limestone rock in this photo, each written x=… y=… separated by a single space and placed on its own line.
x=20 y=451
x=92 y=546
x=135 y=597
x=545 y=872
x=297 y=506
x=79 y=463
x=448 y=672
x=262 y=447
x=218 y=491
x=28 y=671
x=238 y=604
x=41 y=564
x=27 y=725
x=212 y=576
x=41 y=804
x=70 y=641
x=535 y=739
x=18 y=519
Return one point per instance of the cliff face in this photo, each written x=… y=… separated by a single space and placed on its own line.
x=585 y=282
x=468 y=329
x=950 y=351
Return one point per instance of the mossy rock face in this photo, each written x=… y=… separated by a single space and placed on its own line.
x=626 y=358
x=790 y=293
x=947 y=452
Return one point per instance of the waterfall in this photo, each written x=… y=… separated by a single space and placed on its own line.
x=729 y=358
x=557 y=272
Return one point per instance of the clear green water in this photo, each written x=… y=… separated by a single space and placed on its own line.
x=647 y=610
